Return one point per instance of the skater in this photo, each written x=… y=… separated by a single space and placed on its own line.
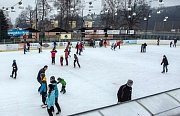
x=144 y=47
x=125 y=91
x=39 y=48
x=54 y=44
x=28 y=46
x=43 y=90
x=53 y=55
x=77 y=48
x=69 y=49
x=158 y=41
x=171 y=44
x=24 y=47
x=165 y=64
x=112 y=46
x=61 y=60
x=66 y=56
x=76 y=60
x=50 y=100
x=63 y=82
x=105 y=43
x=175 y=41
x=80 y=47
x=53 y=82
x=119 y=44
x=43 y=70
x=14 y=71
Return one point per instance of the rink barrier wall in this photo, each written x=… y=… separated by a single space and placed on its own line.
x=14 y=47
x=160 y=104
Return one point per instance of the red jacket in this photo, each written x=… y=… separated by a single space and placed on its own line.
x=53 y=53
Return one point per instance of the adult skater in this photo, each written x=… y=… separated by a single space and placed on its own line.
x=144 y=47
x=165 y=64
x=158 y=41
x=171 y=44
x=50 y=100
x=53 y=82
x=28 y=46
x=175 y=41
x=118 y=44
x=14 y=70
x=76 y=60
x=53 y=55
x=66 y=56
x=24 y=48
x=125 y=91
x=43 y=70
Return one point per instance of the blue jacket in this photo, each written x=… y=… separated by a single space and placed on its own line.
x=43 y=88
x=56 y=89
x=50 y=100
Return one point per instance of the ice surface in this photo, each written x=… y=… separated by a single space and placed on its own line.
x=94 y=85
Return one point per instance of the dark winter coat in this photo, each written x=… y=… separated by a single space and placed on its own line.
x=14 y=65
x=165 y=61
x=124 y=93
x=75 y=58
x=39 y=74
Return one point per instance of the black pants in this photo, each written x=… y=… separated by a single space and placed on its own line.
x=14 y=72
x=77 y=63
x=53 y=60
x=66 y=61
x=165 y=68
x=24 y=51
x=77 y=50
x=174 y=45
x=50 y=111
x=63 y=89
x=44 y=98
x=57 y=105
x=39 y=50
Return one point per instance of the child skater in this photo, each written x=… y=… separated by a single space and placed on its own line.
x=63 y=82
x=61 y=60
x=50 y=100
x=43 y=90
x=15 y=68
x=53 y=55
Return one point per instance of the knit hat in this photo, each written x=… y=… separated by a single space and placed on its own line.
x=129 y=83
x=14 y=60
x=52 y=79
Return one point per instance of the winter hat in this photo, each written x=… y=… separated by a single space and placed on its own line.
x=59 y=79
x=14 y=60
x=129 y=83
x=52 y=79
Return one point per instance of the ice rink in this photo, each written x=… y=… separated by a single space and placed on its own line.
x=94 y=85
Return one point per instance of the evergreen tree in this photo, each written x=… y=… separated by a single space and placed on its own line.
x=3 y=26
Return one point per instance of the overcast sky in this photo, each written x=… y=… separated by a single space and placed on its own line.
x=96 y=4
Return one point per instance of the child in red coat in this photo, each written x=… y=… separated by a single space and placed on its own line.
x=61 y=60
x=53 y=55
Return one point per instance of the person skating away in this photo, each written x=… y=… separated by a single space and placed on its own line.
x=119 y=44
x=28 y=46
x=39 y=48
x=158 y=41
x=63 y=83
x=53 y=55
x=61 y=60
x=175 y=41
x=105 y=43
x=171 y=44
x=43 y=70
x=14 y=70
x=50 y=100
x=24 y=48
x=53 y=82
x=43 y=90
x=112 y=46
x=144 y=47
x=77 y=48
x=80 y=46
x=165 y=64
x=66 y=56
x=76 y=60
x=69 y=49
x=125 y=92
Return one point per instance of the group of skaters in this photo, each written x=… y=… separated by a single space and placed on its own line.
x=79 y=48
x=50 y=92
x=143 y=47
x=172 y=43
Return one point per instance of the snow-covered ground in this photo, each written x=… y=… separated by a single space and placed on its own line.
x=94 y=85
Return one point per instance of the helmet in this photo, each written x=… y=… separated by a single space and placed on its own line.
x=52 y=78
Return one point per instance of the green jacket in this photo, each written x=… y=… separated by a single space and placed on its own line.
x=63 y=82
